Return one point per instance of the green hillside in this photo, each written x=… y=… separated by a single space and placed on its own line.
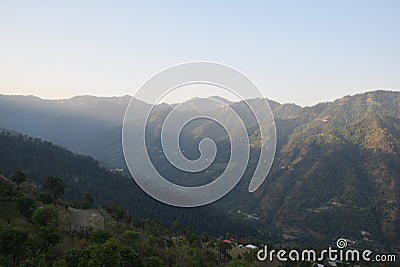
x=33 y=233
x=336 y=173
x=39 y=159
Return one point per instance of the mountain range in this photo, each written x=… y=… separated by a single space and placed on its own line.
x=336 y=171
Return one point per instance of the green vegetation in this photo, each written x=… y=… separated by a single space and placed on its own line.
x=55 y=185
x=336 y=173
x=18 y=178
x=42 y=235
x=83 y=181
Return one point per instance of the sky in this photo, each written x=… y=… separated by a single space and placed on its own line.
x=302 y=52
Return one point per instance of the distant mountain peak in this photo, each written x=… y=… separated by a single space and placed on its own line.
x=223 y=100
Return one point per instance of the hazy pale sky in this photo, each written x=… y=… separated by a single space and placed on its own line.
x=295 y=51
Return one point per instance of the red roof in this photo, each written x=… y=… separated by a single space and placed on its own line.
x=227 y=241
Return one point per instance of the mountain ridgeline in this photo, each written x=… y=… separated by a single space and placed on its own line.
x=336 y=171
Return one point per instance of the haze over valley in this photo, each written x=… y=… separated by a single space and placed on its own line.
x=336 y=171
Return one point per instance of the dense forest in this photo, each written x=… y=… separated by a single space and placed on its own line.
x=39 y=159
x=39 y=229
x=36 y=230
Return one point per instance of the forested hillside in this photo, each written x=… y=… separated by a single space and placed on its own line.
x=336 y=171
x=37 y=230
x=339 y=182
x=39 y=159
